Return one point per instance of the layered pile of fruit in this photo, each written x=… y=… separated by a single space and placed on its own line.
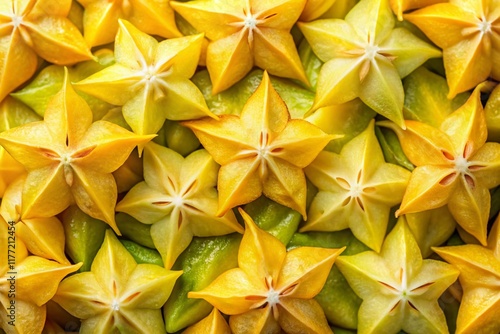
x=249 y=166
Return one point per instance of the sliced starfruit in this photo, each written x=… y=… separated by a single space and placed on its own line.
x=357 y=189
x=468 y=34
x=36 y=28
x=272 y=288
x=365 y=56
x=117 y=294
x=398 y=288
x=454 y=166
x=72 y=156
x=232 y=100
x=42 y=236
x=261 y=152
x=150 y=79
x=178 y=197
x=243 y=34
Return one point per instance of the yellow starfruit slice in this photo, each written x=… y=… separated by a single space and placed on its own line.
x=468 y=31
x=365 y=56
x=357 y=189
x=118 y=293
x=244 y=33
x=43 y=237
x=100 y=20
x=214 y=323
x=178 y=197
x=261 y=151
x=272 y=288
x=150 y=79
x=27 y=283
x=400 y=291
x=36 y=27
x=455 y=166
x=69 y=158
x=479 y=276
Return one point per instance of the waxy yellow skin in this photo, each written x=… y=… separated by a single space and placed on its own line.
x=246 y=33
x=272 y=288
x=261 y=151
x=70 y=159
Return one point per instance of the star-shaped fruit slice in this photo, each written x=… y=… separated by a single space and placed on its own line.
x=365 y=56
x=27 y=283
x=244 y=33
x=469 y=34
x=261 y=151
x=117 y=293
x=479 y=276
x=100 y=18
x=69 y=158
x=33 y=28
x=150 y=79
x=357 y=189
x=400 y=291
x=272 y=288
x=178 y=197
x=44 y=236
x=454 y=166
